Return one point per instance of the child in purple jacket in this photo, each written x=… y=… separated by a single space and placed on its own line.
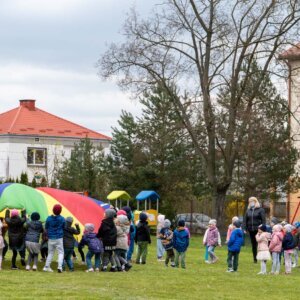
x=212 y=240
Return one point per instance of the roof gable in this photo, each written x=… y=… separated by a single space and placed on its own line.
x=29 y=120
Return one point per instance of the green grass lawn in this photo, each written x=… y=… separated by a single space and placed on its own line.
x=155 y=281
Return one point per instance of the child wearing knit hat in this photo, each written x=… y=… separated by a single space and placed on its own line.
x=55 y=231
x=275 y=248
x=142 y=238
x=69 y=242
x=95 y=247
x=288 y=245
x=166 y=235
x=263 y=254
x=16 y=234
x=32 y=239
x=211 y=240
x=181 y=242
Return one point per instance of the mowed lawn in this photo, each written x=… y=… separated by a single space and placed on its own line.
x=155 y=281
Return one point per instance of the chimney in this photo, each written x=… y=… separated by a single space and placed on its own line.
x=28 y=103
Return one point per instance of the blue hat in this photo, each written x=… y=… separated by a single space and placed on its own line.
x=262 y=227
x=143 y=217
x=297 y=224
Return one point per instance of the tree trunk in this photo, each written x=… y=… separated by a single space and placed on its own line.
x=218 y=207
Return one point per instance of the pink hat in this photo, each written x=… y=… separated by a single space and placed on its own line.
x=14 y=213
x=121 y=212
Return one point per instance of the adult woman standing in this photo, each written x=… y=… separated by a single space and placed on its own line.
x=255 y=216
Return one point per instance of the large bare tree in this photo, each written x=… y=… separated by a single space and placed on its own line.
x=203 y=47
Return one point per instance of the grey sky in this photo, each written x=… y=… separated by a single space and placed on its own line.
x=48 y=52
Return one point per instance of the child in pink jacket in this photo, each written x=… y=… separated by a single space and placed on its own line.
x=275 y=248
x=212 y=240
x=263 y=254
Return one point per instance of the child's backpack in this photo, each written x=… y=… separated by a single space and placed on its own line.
x=96 y=245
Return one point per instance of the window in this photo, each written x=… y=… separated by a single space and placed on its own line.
x=37 y=156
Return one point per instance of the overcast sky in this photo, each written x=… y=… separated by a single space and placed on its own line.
x=48 y=52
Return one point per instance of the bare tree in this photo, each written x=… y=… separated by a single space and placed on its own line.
x=202 y=47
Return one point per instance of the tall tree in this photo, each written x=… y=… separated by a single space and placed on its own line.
x=205 y=45
x=85 y=170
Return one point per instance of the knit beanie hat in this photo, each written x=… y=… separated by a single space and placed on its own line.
x=89 y=227
x=161 y=218
x=128 y=212
x=181 y=223
x=288 y=227
x=57 y=209
x=277 y=228
x=110 y=213
x=123 y=219
x=262 y=227
x=212 y=222
x=274 y=221
x=35 y=216
x=143 y=217
x=14 y=213
x=237 y=224
x=69 y=220
x=167 y=223
x=121 y=212
x=297 y=224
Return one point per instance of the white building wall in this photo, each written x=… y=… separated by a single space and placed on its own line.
x=295 y=106
x=13 y=154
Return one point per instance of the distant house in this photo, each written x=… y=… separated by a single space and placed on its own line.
x=33 y=141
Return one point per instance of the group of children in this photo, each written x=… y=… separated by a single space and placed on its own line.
x=169 y=240
x=274 y=242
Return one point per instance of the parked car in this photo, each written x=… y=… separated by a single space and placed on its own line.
x=196 y=222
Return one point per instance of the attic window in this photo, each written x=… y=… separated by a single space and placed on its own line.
x=36 y=156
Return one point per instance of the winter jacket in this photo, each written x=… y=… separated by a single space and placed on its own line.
x=297 y=240
x=94 y=244
x=253 y=218
x=55 y=227
x=16 y=231
x=276 y=242
x=122 y=237
x=212 y=237
x=181 y=239
x=236 y=240
x=69 y=232
x=34 y=231
x=108 y=233
x=263 y=241
x=142 y=233
x=288 y=242
x=166 y=236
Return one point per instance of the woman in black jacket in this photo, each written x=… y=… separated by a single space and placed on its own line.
x=255 y=216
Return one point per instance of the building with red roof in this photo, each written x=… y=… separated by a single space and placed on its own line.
x=33 y=141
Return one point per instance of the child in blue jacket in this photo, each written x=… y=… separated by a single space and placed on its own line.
x=181 y=240
x=234 y=247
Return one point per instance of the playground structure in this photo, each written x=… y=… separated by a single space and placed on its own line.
x=118 y=197
x=148 y=197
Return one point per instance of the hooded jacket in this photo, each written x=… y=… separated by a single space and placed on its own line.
x=69 y=232
x=94 y=244
x=34 y=231
x=181 y=239
x=276 y=242
x=236 y=240
x=263 y=241
x=55 y=227
x=288 y=242
x=254 y=217
x=142 y=233
x=212 y=238
x=108 y=233
x=16 y=232
x=122 y=237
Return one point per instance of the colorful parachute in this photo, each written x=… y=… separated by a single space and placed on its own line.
x=82 y=209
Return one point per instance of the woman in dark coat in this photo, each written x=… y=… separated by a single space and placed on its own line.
x=255 y=216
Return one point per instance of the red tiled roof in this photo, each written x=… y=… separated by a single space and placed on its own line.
x=30 y=120
x=292 y=53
